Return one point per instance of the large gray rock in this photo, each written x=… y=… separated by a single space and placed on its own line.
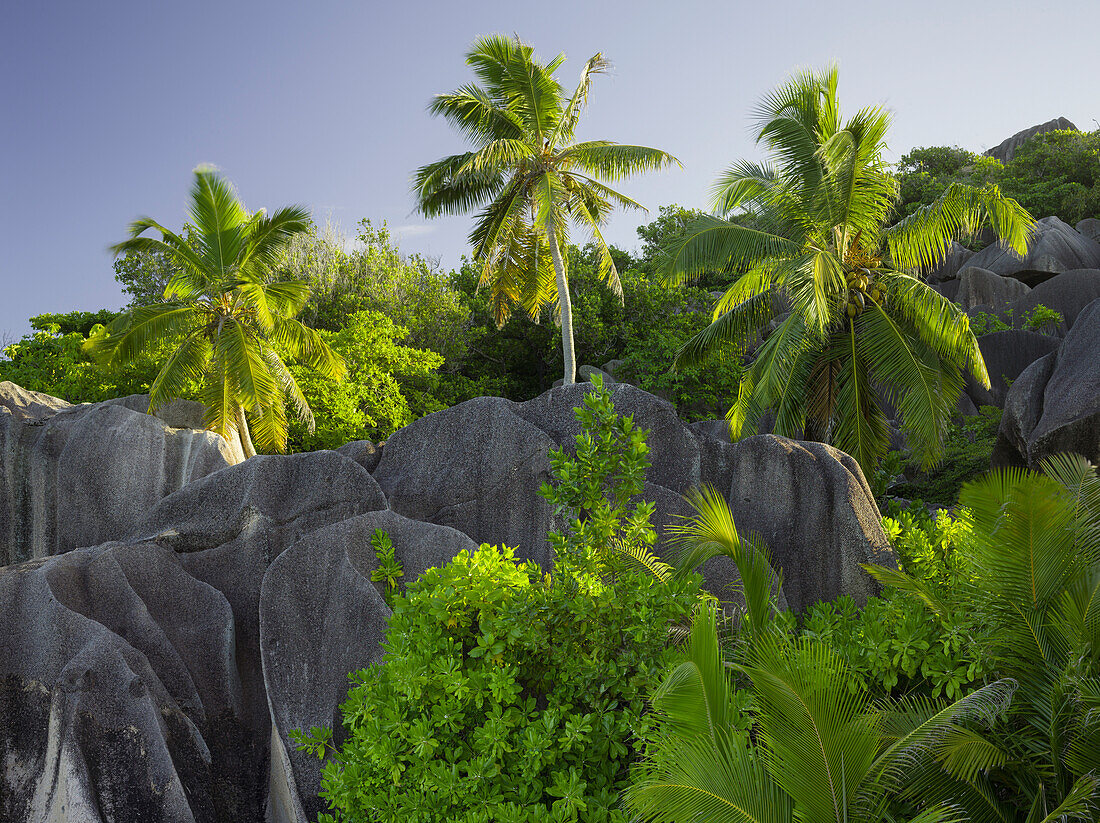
x=813 y=508
x=978 y=287
x=1067 y=293
x=953 y=262
x=430 y=469
x=1054 y=406
x=73 y=476
x=1090 y=228
x=179 y=414
x=321 y=617
x=1055 y=247
x=130 y=678
x=1006 y=355
x=1007 y=149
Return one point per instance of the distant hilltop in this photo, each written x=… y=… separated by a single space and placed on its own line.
x=1007 y=149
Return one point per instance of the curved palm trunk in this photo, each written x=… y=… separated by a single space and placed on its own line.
x=566 y=304
x=246 y=438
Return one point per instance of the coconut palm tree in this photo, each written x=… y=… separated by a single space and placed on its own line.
x=850 y=323
x=810 y=748
x=229 y=321
x=529 y=177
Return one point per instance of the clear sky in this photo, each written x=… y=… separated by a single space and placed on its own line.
x=106 y=107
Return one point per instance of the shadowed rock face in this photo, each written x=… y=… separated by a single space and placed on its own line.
x=431 y=469
x=74 y=476
x=157 y=677
x=130 y=675
x=1054 y=406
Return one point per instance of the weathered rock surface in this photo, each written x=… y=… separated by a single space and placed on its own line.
x=1007 y=149
x=366 y=453
x=827 y=505
x=953 y=262
x=130 y=676
x=321 y=617
x=978 y=287
x=430 y=468
x=179 y=414
x=1067 y=293
x=1006 y=355
x=1055 y=247
x=157 y=677
x=1089 y=227
x=1054 y=406
x=74 y=476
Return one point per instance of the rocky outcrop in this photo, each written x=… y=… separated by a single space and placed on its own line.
x=1007 y=149
x=158 y=676
x=73 y=476
x=429 y=469
x=978 y=287
x=1067 y=293
x=1090 y=228
x=179 y=414
x=321 y=617
x=1055 y=247
x=1007 y=354
x=130 y=677
x=954 y=261
x=1054 y=406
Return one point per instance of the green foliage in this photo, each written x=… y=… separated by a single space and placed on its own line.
x=825 y=292
x=374 y=275
x=1043 y=320
x=505 y=695
x=73 y=321
x=968 y=447
x=593 y=490
x=386 y=386
x=816 y=747
x=1032 y=585
x=1056 y=173
x=229 y=319
x=983 y=323
x=54 y=362
x=389 y=569
x=530 y=178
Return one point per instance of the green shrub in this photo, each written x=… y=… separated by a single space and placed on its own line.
x=1043 y=320
x=896 y=644
x=508 y=694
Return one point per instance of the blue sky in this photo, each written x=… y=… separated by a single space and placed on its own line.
x=105 y=108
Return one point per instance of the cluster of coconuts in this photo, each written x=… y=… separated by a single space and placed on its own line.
x=861 y=288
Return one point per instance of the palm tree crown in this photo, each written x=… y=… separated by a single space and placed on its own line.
x=230 y=322
x=853 y=324
x=529 y=177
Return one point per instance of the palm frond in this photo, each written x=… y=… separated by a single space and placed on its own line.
x=923 y=238
x=710 y=243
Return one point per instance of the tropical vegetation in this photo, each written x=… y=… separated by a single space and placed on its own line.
x=854 y=326
x=530 y=178
x=229 y=321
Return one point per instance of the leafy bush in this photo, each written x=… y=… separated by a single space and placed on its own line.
x=983 y=323
x=385 y=388
x=52 y=360
x=895 y=644
x=507 y=694
x=1042 y=319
